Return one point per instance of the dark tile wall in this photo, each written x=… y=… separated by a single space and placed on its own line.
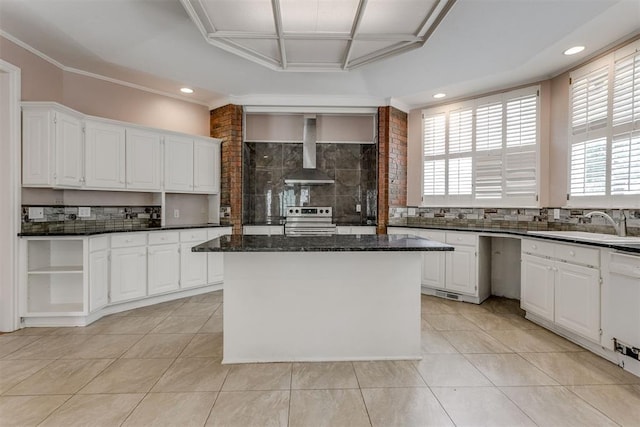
x=65 y=219
x=513 y=219
x=266 y=196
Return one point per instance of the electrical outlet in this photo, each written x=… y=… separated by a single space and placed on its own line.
x=36 y=213
x=556 y=214
x=84 y=212
x=176 y=213
x=358 y=207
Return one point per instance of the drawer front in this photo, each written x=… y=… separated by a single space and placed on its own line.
x=466 y=239
x=538 y=247
x=160 y=238
x=213 y=233
x=98 y=243
x=578 y=254
x=128 y=240
x=199 y=235
x=438 y=236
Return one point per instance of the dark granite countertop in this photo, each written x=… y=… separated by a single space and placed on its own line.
x=627 y=247
x=335 y=243
x=127 y=230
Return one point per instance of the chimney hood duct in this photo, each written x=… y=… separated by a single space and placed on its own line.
x=308 y=174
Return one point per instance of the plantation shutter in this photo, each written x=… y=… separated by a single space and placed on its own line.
x=589 y=104
x=460 y=176
x=520 y=171
x=434 y=133
x=589 y=101
x=589 y=167
x=489 y=127
x=625 y=144
x=489 y=176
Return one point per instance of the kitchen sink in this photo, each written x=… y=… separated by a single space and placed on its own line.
x=587 y=237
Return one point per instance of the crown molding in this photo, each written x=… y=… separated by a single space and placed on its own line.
x=73 y=70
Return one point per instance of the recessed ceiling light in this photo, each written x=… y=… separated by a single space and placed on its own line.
x=186 y=90
x=574 y=50
x=439 y=95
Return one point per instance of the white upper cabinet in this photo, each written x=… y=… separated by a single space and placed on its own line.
x=191 y=165
x=206 y=169
x=178 y=163
x=143 y=164
x=105 y=155
x=52 y=147
x=66 y=149
x=69 y=162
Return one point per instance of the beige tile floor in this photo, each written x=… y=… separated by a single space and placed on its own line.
x=160 y=366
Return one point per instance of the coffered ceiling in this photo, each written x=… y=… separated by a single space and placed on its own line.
x=462 y=47
x=318 y=35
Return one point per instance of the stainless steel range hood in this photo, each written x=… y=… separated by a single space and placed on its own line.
x=308 y=175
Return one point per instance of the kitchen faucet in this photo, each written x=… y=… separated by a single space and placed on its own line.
x=621 y=227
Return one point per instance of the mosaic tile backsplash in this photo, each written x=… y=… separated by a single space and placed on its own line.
x=266 y=196
x=513 y=219
x=65 y=219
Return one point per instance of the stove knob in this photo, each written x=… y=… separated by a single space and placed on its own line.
x=321 y=211
x=297 y=211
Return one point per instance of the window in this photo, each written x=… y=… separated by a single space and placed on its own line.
x=605 y=131
x=482 y=152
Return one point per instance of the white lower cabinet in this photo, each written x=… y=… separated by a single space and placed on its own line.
x=561 y=283
x=193 y=265
x=128 y=273
x=452 y=272
x=163 y=260
x=537 y=286
x=98 y=272
x=164 y=268
x=128 y=269
x=461 y=270
x=215 y=260
x=577 y=294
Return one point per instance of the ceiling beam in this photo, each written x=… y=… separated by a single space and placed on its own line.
x=354 y=31
x=277 y=18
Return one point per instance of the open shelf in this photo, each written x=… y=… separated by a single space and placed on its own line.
x=55 y=282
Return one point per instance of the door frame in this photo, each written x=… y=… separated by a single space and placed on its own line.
x=9 y=277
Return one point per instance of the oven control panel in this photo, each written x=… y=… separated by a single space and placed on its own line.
x=308 y=211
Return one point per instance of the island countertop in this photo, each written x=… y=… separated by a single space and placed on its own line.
x=334 y=243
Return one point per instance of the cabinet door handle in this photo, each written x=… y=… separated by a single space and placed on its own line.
x=549 y=268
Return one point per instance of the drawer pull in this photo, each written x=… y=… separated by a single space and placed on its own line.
x=534 y=247
x=128 y=240
x=572 y=253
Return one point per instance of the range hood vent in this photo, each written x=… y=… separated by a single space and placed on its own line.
x=308 y=175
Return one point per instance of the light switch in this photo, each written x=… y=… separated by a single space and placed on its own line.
x=84 y=212
x=36 y=213
x=358 y=207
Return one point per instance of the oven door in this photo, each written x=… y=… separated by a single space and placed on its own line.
x=308 y=230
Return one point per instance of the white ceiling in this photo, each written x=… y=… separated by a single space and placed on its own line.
x=480 y=46
x=316 y=35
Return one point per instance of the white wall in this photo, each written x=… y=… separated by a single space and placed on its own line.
x=9 y=193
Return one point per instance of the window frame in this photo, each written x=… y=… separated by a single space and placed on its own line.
x=472 y=200
x=608 y=132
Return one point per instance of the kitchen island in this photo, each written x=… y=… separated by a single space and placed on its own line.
x=321 y=298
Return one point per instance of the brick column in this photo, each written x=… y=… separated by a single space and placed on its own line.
x=392 y=162
x=226 y=124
